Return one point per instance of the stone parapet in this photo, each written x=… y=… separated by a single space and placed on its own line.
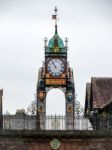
x=59 y=134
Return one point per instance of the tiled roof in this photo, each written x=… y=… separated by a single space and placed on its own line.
x=106 y=104
x=101 y=91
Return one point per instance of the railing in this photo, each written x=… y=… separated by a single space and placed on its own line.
x=55 y=123
x=101 y=122
x=31 y=122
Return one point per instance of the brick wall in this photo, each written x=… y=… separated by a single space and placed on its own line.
x=40 y=140
x=77 y=144
x=12 y=144
x=71 y=144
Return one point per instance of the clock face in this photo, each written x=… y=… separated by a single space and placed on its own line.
x=55 y=67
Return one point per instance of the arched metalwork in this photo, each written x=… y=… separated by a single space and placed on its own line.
x=32 y=109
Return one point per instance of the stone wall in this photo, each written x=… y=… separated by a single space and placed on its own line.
x=40 y=140
x=19 y=121
x=22 y=121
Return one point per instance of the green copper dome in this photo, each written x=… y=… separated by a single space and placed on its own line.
x=56 y=41
x=56 y=44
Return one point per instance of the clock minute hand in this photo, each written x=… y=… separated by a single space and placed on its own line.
x=54 y=64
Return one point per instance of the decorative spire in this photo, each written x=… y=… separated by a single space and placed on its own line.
x=45 y=41
x=55 y=17
x=66 y=42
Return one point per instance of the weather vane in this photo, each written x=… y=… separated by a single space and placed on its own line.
x=55 y=17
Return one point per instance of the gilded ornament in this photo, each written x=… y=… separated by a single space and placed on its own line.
x=69 y=109
x=55 y=144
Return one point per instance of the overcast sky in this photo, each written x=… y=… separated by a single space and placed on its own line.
x=23 y=26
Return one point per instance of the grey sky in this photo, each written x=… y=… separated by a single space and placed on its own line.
x=23 y=26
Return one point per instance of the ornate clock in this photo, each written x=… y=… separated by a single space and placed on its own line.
x=56 y=73
x=55 y=67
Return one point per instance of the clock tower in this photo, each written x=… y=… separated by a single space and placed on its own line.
x=56 y=73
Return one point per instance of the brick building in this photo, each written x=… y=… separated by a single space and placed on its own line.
x=99 y=95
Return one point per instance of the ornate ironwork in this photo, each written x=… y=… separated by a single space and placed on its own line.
x=79 y=110
x=55 y=53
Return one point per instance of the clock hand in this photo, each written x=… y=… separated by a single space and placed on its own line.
x=54 y=64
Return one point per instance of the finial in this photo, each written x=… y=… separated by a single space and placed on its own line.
x=55 y=17
x=66 y=41
x=45 y=41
